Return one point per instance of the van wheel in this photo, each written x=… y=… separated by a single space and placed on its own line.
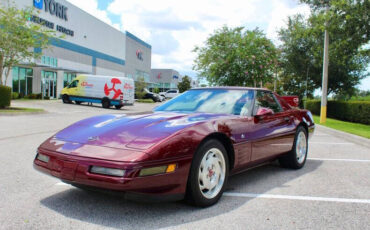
x=118 y=106
x=106 y=103
x=65 y=99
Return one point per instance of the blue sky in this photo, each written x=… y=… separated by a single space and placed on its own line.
x=174 y=28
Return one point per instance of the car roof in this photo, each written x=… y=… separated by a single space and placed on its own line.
x=232 y=88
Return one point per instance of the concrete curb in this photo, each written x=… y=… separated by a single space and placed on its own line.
x=347 y=136
x=22 y=113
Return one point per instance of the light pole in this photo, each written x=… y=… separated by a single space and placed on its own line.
x=325 y=74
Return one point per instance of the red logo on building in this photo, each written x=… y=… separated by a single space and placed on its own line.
x=139 y=54
x=159 y=75
x=117 y=92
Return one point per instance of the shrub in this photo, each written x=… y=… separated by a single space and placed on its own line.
x=156 y=90
x=355 y=111
x=145 y=101
x=15 y=95
x=314 y=106
x=5 y=96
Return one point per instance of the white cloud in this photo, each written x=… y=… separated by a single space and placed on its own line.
x=91 y=7
x=279 y=16
x=173 y=28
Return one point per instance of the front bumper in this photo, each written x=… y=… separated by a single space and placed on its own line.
x=76 y=171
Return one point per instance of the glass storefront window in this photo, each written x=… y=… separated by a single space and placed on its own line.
x=49 y=61
x=50 y=87
x=15 y=79
x=22 y=80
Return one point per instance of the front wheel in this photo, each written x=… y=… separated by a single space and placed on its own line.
x=65 y=99
x=208 y=174
x=296 y=158
x=118 y=106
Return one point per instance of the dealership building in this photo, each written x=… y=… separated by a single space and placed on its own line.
x=167 y=79
x=88 y=46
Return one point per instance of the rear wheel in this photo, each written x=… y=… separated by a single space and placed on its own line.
x=65 y=99
x=208 y=174
x=296 y=158
x=78 y=102
x=106 y=103
x=118 y=106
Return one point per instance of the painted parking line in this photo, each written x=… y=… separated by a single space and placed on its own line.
x=320 y=134
x=333 y=159
x=306 y=198
x=62 y=184
x=331 y=143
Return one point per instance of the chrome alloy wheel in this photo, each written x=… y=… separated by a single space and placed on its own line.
x=301 y=147
x=212 y=173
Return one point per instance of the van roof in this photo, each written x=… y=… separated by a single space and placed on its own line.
x=105 y=76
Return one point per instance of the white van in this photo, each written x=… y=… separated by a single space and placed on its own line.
x=106 y=90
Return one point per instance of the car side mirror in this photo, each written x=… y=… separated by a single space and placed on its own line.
x=261 y=112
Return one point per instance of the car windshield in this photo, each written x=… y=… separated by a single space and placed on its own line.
x=229 y=101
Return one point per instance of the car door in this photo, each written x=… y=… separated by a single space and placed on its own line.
x=272 y=129
x=170 y=93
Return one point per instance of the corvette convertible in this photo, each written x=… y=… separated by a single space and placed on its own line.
x=186 y=149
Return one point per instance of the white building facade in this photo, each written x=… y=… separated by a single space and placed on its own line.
x=88 y=46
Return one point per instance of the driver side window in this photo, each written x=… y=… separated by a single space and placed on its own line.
x=73 y=84
x=266 y=100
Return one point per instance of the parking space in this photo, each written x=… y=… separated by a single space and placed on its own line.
x=332 y=191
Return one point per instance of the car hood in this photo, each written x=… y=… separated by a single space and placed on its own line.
x=130 y=132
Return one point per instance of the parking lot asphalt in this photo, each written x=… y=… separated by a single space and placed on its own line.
x=332 y=191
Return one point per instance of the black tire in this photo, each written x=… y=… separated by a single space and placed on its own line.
x=65 y=99
x=78 y=102
x=118 y=106
x=105 y=103
x=291 y=159
x=194 y=195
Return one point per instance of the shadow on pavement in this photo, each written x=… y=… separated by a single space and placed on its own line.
x=116 y=212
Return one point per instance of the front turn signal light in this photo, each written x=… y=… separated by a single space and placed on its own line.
x=157 y=170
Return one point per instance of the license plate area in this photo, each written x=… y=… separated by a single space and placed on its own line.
x=64 y=169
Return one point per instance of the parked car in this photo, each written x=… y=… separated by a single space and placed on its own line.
x=170 y=93
x=106 y=90
x=188 y=147
x=149 y=95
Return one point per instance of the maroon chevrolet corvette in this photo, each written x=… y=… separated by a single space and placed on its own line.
x=187 y=148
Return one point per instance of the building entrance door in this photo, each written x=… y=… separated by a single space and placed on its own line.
x=49 y=82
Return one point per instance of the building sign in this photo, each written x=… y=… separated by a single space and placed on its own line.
x=139 y=54
x=50 y=25
x=53 y=7
x=175 y=77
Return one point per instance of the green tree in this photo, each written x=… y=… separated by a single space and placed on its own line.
x=139 y=88
x=236 y=57
x=156 y=90
x=19 y=37
x=184 y=84
x=302 y=47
